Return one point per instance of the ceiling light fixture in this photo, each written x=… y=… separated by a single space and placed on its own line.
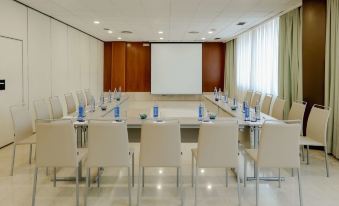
x=210 y=32
x=160 y=32
x=203 y=38
x=119 y=38
x=96 y=22
x=161 y=38
x=109 y=31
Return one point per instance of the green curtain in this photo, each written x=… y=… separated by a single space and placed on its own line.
x=332 y=75
x=290 y=58
x=230 y=78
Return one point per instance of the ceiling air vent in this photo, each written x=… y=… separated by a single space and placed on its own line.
x=241 y=23
x=126 y=32
x=193 y=32
x=217 y=38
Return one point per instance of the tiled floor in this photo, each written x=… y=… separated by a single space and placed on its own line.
x=160 y=189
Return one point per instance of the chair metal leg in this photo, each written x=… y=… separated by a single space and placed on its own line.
x=257 y=187
x=13 y=158
x=139 y=186
x=129 y=187
x=54 y=178
x=77 y=185
x=30 y=154
x=192 y=169
x=98 y=179
x=279 y=180
x=326 y=163
x=177 y=177
x=302 y=152
x=300 y=188
x=195 y=186
x=133 y=170
x=226 y=173
x=143 y=176
x=238 y=184
x=307 y=154
x=87 y=186
x=34 y=185
x=245 y=172
x=181 y=187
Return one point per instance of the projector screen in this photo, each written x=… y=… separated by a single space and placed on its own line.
x=176 y=68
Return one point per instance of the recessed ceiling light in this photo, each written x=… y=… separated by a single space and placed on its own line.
x=109 y=31
x=161 y=38
x=203 y=38
x=96 y=22
x=160 y=32
x=210 y=32
x=209 y=187
x=119 y=38
x=159 y=187
x=202 y=171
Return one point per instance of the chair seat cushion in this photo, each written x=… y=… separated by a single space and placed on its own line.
x=252 y=153
x=29 y=140
x=309 y=141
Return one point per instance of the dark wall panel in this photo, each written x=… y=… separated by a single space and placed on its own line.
x=313 y=51
x=138 y=67
x=213 y=62
x=118 y=65
x=107 y=65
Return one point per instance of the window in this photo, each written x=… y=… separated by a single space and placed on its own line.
x=257 y=59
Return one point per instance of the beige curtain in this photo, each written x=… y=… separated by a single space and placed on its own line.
x=290 y=59
x=230 y=74
x=332 y=75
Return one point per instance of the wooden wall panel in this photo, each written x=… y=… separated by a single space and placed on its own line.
x=107 y=65
x=313 y=52
x=118 y=65
x=138 y=67
x=213 y=63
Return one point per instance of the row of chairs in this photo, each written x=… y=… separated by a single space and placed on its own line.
x=22 y=120
x=316 y=130
x=160 y=146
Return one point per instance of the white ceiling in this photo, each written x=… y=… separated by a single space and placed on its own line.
x=174 y=17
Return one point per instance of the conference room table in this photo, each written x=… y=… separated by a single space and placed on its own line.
x=188 y=119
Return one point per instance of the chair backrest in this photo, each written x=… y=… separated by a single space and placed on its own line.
x=88 y=95
x=279 y=145
x=56 y=107
x=22 y=122
x=81 y=98
x=70 y=103
x=248 y=96
x=41 y=109
x=218 y=145
x=266 y=104
x=107 y=144
x=56 y=144
x=297 y=111
x=278 y=108
x=256 y=98
x=317 y=123
x=160 y=144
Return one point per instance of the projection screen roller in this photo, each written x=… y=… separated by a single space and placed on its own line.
x=176 y=68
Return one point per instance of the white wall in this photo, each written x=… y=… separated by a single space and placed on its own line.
x=56 y=59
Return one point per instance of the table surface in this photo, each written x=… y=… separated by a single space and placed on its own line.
x=183 y=111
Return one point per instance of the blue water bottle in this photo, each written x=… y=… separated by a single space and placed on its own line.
x=247 y=112
x=117 y=113
x=155 y=111
x=200 y=112
x=81 y=111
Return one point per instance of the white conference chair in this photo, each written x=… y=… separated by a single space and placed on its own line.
x=217 y=148
x=89 y=96
x=23 y=130
x=316 y=131
x=41 y=109
x=297 y=112
x=256 y=99
x=70 y=103
x=81 y=98
x=248 y=96
x=278 y=148
x=160 y=146
x=278 y=108
x=266 y=104
x=56 y=108
x=56 y=147
x=108 y=147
